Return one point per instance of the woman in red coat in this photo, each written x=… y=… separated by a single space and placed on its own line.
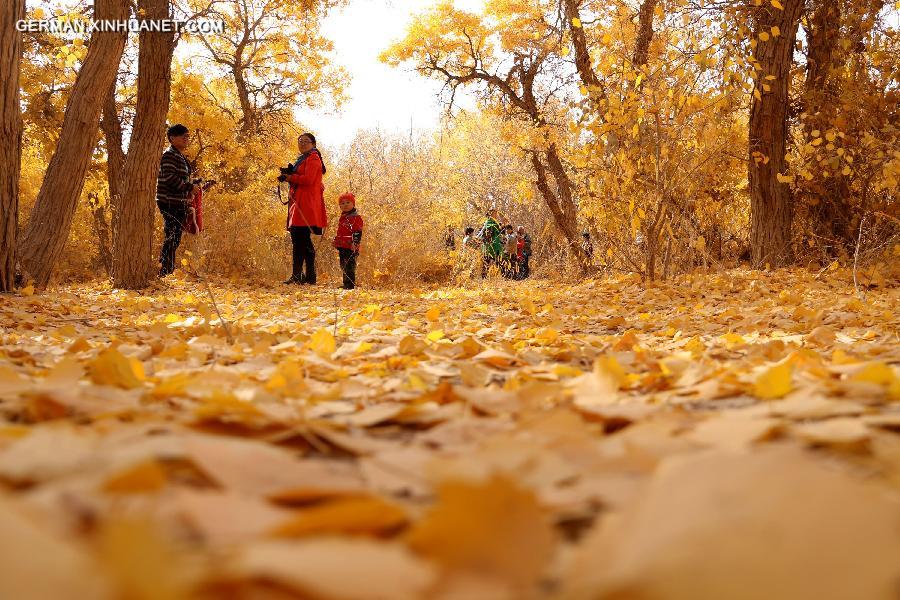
x=306 y=208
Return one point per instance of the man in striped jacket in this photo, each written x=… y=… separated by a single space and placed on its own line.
x=174 y=194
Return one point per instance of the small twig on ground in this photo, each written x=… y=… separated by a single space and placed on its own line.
x=225 y=325
x=856 y=258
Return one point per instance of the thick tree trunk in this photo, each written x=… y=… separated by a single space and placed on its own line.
x=11 y=136
x=115 y=155
x=115 y=173
x=645 y=33
x=135 y=214
x=100 y=213
x=770 y=200
x=596 y=93
x=832 y=211
x=51 y=219
x=560 y=202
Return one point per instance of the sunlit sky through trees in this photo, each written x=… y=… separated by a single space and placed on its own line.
x=379 y=95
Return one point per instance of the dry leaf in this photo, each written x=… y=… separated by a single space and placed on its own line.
x=495 y=527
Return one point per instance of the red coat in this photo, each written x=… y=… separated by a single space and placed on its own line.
x=306 y=207
x=349 y=231
x=193 y=224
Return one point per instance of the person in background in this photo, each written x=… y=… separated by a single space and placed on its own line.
x=510 y=263
x=587 y=246
x=306 y=208
x=523 y=248
x=348 y=238
x=470 y=241
x=450 y=239
x=491 y=242
x=174 y=194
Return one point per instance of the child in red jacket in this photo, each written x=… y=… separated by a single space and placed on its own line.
x=349 y=235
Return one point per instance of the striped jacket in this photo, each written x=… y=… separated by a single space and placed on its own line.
x=173 y=184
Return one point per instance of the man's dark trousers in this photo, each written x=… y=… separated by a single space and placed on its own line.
x=173 y=214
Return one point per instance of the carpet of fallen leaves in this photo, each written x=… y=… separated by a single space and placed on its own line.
x=726 y=436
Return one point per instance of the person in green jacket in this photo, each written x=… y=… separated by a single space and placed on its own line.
x=491 y=242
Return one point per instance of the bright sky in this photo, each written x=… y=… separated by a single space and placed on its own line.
x=380 y=96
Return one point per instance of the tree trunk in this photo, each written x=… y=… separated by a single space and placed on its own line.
x=596 y=92
x=48 y=227
x=770 y=200
x=11 y=134
x=115 y=173
x=101 y=228
x=645 y=33
x=135 y=214
x=563 y=210
x=115 y=155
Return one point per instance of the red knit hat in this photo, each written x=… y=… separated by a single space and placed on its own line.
x=348 y=196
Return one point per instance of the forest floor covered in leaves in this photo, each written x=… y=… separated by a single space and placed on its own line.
x=732 y=435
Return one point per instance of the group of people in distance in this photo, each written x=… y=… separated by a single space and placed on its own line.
x=502 y=247
x=177 y=194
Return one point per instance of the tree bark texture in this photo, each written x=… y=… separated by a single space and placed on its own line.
x=595 y=90
x=115 y=155
x=645 y=33
x=48 y=227
x=771 y=202
x=10 y=138
x=135 y=214
x=832 y=211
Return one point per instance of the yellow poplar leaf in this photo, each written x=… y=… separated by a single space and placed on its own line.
x=839 y=357
x=79 y=345
x=529 y=306
x=608 y=367
x=774 y=382
x=322 y=343
x=433 y=314
x=547 y=334
x=349 y=516
x=777 y=5
x=435 y=335
x=113 y=368
x=144 y=477
x=776 y=31
x=628 y=341
x=764 y=36
x=411 y=345
x=733 y=340
x=877 y=372
x=695 y=345
x=567 y=371
x=576 y=22
x=494 y=526
x=142 y=560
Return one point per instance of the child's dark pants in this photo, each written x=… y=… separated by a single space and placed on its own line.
x=348 y=267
